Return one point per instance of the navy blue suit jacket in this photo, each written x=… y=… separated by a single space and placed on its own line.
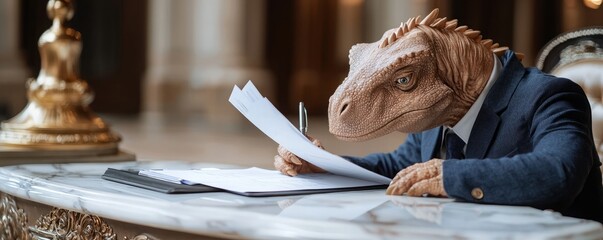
x=531 y=145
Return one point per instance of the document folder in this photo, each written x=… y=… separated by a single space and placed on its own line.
x=132 y=178
x=257 y=182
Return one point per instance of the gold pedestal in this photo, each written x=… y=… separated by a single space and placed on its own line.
x=11 y=155
x=57 y=125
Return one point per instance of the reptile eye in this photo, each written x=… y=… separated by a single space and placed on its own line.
x=403 y=80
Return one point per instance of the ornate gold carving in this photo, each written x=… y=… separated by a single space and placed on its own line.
x=62 y=224
x=42 y=138
x=59 y=224
x=13 y=221
x=57 y=114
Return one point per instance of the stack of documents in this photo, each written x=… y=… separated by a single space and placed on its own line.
x=258 y=110
x=258 y=182
x=342 y=174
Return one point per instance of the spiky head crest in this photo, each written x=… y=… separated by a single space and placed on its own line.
x=442 y=24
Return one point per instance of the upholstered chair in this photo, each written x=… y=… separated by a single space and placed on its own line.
x=578 y=55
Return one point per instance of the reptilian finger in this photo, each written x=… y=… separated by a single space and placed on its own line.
x=432 y=186
x=393 y=189
x=430 y=169
x=435 y=163
x=406 y=181
x=399 y=175
x=288 y=156
x=285 y=168
x=279 y=164
x=407 y=170
x=317 y=143
x=295 y=160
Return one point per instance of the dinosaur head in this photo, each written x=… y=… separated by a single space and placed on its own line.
x=423 y=74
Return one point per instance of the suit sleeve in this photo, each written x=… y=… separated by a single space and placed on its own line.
x=551 y=175
x=389 y=164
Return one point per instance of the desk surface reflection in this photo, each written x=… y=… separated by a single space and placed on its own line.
x=344 y=215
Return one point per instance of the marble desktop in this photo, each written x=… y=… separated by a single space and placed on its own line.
x=344 y=215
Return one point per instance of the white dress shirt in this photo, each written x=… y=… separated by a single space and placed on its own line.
x=465 y=125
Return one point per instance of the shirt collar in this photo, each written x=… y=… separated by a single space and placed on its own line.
x=464 y=126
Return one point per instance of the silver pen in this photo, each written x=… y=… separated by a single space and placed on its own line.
x=303 y=118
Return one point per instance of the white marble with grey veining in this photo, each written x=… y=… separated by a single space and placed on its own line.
x=344 y=215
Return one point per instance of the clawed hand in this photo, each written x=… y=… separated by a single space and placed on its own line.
x=290 y=164
x=419 y=179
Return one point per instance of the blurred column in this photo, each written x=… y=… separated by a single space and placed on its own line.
x=13 y=72
x=523 y=31
x=350 y=27
x=199 y=49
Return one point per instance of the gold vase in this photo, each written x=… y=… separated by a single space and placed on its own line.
x=57 y=121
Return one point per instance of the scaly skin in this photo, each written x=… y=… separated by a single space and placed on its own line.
x=421 y=75
x=289 y=164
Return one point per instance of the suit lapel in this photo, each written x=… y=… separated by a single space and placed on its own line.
x=482 y=133
x=485 y=126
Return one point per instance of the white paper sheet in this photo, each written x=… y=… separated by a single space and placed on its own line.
x=258 y=180
x=259 y=111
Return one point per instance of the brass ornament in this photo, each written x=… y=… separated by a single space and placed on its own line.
x=58 y=116
x=64 y=224
x=61 y=224
x=13 y=221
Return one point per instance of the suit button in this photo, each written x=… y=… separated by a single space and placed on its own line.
x=477 y=193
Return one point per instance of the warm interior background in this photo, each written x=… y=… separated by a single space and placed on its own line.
x=162 y=70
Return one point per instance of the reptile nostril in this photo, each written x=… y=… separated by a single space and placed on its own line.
x=343 y=108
